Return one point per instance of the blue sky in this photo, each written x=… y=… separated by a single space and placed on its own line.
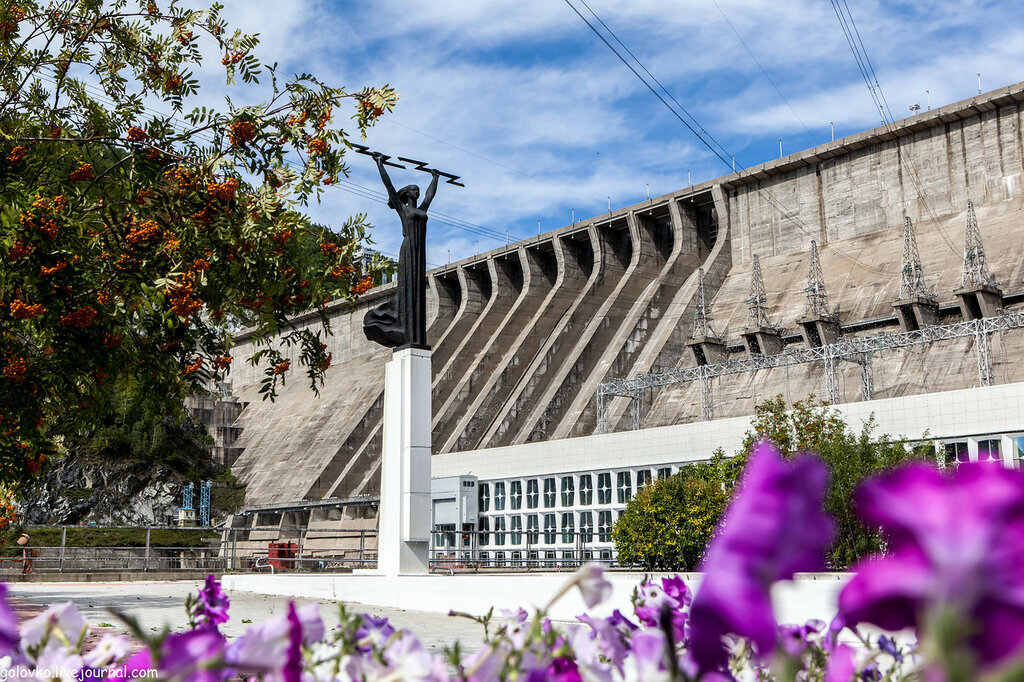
x=540 y=118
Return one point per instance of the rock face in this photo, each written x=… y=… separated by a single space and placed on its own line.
x=105 y=493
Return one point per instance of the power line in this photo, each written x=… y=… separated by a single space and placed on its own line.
x=772 y=199
x=763 y=71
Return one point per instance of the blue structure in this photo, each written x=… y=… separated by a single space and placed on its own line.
x=189 y=492
x=204 y=503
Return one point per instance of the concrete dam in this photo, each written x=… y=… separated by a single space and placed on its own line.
x=525 y=336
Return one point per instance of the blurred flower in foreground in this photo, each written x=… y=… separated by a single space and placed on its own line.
x=955 y=565
x=773 y=528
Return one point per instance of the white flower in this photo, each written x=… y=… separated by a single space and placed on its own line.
x=110 y=649
x=593 y=587
x=60 y=620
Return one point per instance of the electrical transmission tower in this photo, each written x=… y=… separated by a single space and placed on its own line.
x=757 y=304
x=702 y=316
x=975 y=273
x=817 y=297
x=912 y=283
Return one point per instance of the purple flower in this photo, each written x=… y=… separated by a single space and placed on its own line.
x=956 y=548
x=841 y=665
x=650 y=598
x=293 y=657
x=134 y=668
x=213 y=603
x=794 y=638
x=373 y=633
x=264 y=647
x=8 y=625
x=60 y=620
x=775 y=526
x=610 y=636
x=193 y=656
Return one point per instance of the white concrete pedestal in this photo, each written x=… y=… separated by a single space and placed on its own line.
x=404 y=515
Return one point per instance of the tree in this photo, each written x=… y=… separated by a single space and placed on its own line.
x=851 y=458
x=670 y=522
x=133 y=239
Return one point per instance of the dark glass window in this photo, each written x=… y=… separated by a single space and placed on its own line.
x=664 y=472
x=499 y=530
x=516 y=494
x=625 y=487
x=532 y=494
x=604 y=526
x=483 y=525
x=484 y=497
x=549 y=492
x=532 y=524
x=550 y=528
x=516 y=530
x=568 y=528
x=499 y=496
x=604 y=488
x=568 y=491
x=643 y=477
x=586 y=489
x=587 y=526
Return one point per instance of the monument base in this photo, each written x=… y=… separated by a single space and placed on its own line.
x=404 y=517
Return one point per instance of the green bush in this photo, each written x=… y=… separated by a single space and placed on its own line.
x=669 y=523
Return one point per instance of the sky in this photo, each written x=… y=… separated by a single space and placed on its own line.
x=543 y=121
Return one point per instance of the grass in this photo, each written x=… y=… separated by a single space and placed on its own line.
x=117 y=537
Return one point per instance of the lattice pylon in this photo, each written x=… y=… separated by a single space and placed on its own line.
x=702 y=315
x=757 y=304
x=975 y=272
x=912 y=282
x=817 y=297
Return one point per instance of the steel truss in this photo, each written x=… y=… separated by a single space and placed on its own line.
x=858 y=350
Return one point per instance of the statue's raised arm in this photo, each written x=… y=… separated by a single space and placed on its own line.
x=431 y=190
x=392 y=194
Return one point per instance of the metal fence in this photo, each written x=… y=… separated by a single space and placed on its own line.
x=272 y=550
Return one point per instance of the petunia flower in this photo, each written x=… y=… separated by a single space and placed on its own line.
x=650 y=598
x=292 y=671
x=60 y=622
x=955 y=550
x=774 y=527
x=213 y=602
x=8 y=625
x=193 y=656
x=592 y=584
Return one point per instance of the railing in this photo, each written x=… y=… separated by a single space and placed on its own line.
x=267 y=549
x=530 y=550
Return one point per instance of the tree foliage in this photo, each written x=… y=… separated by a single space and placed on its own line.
x=133 y=240
x=670 y=521
x=669 y=524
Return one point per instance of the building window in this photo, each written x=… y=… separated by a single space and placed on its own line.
x=568 y=528
x=604 y=488
x=532 y=494
x=484 y=526
x=568 y=491
x=550 y=559
x=989 y=451
x=586 y=489
x=499 y=530
x=485 y=497
x=604 y=526
x=625 y=487
x=643 y=478
x=587 y=526
x=549 y=493
x=532 y=525
x=515 y=494
x=499 y=558
x=499 y=496
x=956 y=453
x=550 y=528
x=516 y=530
x=1018 y=452
x=664 y=472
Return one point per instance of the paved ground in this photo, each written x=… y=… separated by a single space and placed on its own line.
x=158 y=603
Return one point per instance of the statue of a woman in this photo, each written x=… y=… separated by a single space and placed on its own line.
x=402 y=320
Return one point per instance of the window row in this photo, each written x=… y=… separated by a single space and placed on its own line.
x=509 y=494
x=548 y=529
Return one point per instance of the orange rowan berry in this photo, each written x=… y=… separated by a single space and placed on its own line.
x=362 y=286
x=82 y=173
x=80 y=318
x=17 y=154
x=26 y=311
x=16 y=370
x=136 y=134
x=59 y=267
x=317 y=146
x=241 y=132
x=282 y=367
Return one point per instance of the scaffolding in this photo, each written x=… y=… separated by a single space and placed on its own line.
x=858 y=350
